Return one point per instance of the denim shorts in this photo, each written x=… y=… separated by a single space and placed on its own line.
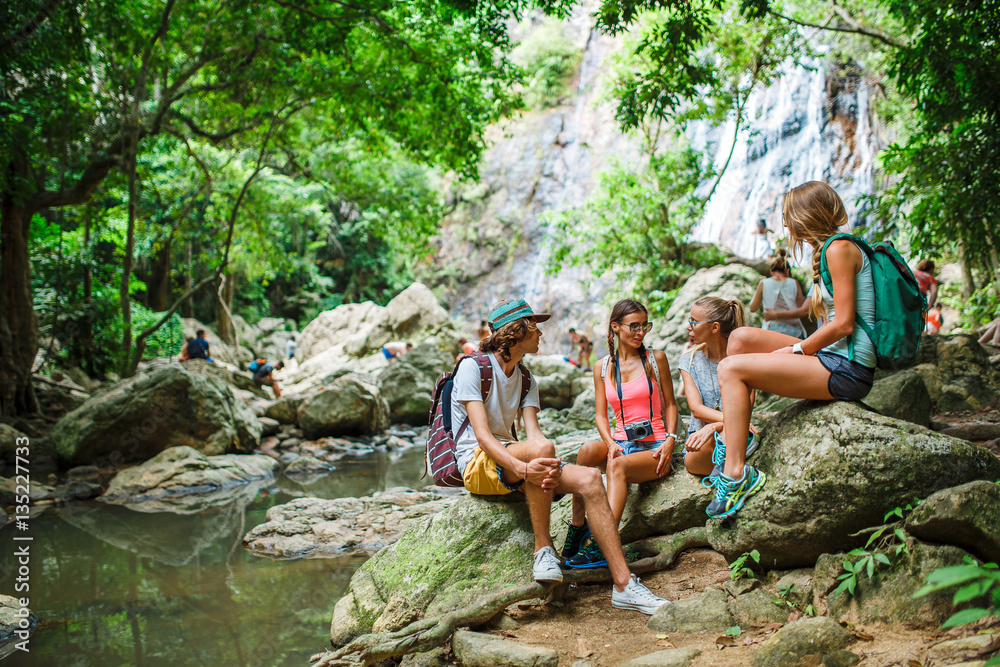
x=849 y=380
x=635 y=446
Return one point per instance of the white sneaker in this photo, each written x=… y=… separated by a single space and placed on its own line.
x=637 y=597
x=546 y=567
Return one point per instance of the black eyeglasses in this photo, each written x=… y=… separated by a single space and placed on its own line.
x=635 y=327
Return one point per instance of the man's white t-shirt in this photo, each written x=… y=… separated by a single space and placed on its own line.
x=501 y=404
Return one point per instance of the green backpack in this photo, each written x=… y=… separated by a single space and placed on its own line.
x=900 y=306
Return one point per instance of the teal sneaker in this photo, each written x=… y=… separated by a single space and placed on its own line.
x=730 y=494
x=591 y=556
x=719 y=453
x=575 y=535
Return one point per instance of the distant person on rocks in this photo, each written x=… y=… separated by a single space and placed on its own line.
x=396 y=349
x=483 y=331
x=495 y=463
x=184 y=349
x=761 y=244
x=582 y=347
x=926 y=281
x=780 y=292
x=467 y=348
x=836 y=362
x=636 y=383
x=711 y=321
x=264 y=375
x=290 y=347
x=197 y=347
x=935 y=320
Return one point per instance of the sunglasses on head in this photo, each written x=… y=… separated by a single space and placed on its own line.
x=636 y=327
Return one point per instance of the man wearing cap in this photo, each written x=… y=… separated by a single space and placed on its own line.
x=494 y=463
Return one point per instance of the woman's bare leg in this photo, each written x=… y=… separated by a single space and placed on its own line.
x=625 y=470
x=791 y=375
x=592 y=454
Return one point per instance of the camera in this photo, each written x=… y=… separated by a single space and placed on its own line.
x=639 y=430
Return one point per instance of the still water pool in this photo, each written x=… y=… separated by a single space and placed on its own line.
x=117 y=587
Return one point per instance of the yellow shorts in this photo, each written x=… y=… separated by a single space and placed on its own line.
x=480 y=476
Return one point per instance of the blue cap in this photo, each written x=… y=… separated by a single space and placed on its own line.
x=509 y=311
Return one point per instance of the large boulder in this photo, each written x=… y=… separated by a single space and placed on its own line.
x=17 y=624
x=441 y=562
x=834 y=469
x=966 y=515
x=957 y=372
x=169 y=405
x=10 y=440
x=559 y=390
x=362 y=328
x=333 y=327
x=182 y=471
x=818 y=636
x=217 y=349
x=313 y=528
x=351 y=405
x=887 y=597
x=408 y=383
x=730 y=281
x=903 y=396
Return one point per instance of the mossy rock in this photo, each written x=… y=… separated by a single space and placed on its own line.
x=834 y=469
x=966 y=515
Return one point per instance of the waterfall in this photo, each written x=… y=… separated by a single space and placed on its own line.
x=810 y=124
x=801 y=128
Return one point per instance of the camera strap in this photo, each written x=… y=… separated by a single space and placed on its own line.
x=618 y=386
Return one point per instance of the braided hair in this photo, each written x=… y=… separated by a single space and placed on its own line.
x=813 y=213
x=618 y=313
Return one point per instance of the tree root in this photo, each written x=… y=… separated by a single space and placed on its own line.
x=428 y=633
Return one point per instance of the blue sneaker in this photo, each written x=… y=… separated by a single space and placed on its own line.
x=591 y=556
x=719 y=453
x=575 y=535
x=730 y=494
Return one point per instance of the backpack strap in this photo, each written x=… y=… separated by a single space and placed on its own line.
x=656 y=368
x=482 y=360
x=824 y=272
x=525 y=388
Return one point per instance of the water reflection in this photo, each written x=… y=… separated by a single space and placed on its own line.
x=113 y=586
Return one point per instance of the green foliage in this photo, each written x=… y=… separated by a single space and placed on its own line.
x=884 y=539
x=635 y=226
x=739 y=569
x=975 y=581
x=549 y=61
x=784 y=600
x=734 y=631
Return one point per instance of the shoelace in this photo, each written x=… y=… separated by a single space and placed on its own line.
x=719 y=453
x=710 y=482
x=639 y=590
x=547 y=559
x=722 y=489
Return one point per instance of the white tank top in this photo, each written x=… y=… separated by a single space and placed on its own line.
x=780 y=295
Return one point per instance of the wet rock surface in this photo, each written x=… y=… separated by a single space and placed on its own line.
x=312 y=528
x=182 y=471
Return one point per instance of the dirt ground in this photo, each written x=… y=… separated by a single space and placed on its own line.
x=584 y=625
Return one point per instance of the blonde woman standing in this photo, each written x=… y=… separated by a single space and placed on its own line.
x=837 y=362
x=779 y=293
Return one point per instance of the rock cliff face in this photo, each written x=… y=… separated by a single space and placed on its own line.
x=813 y=123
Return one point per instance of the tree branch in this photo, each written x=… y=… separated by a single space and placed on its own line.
x=855 y=27
x=30 y=27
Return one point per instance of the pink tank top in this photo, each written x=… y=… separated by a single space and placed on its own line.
x=635 y=397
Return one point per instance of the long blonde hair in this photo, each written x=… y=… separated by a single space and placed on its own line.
x=729 y=314
x=813 y=213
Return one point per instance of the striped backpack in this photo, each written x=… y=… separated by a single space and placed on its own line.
x=440 y=453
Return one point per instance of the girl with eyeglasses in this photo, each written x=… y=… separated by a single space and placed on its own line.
x=836 y=362
x=636 y=383
x=710 y=324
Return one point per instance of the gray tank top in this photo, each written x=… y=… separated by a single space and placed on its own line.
x=864 y=303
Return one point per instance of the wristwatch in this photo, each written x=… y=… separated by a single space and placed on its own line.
x=797 y=349
x=670 y=435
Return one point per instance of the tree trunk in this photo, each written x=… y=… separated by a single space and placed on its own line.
x=124 y=298
x=188 y=282
x=968 y=282
x=158 y=289
x=18 y=323
x=87 y=322
x=224 y=306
